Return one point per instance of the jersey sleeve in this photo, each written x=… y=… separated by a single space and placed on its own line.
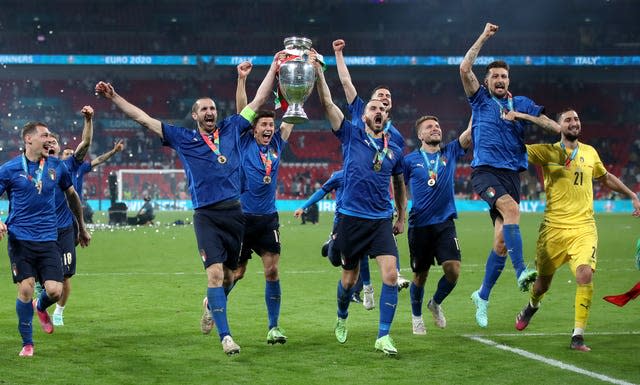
x=538 y=153
x=406 y=168
x=356 y=108
x=530 y=107
x=345 y=131
x=4 y=179
x=479 y=96
x=397 y=168
x=64 y=180
x=332 y=183
x=598 y=167
x=169 y=134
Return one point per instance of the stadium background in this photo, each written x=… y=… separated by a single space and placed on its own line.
x=206 y=39
x=134 y=313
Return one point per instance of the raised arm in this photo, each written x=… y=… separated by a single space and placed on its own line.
x=549 y=125
x=285 y=130
x=87 y=134
x=331 y=111
x=465 y=137
x=133 y=112
x=313 y=199
x=615 y=184
x=400 y=197
x=244 y=69
x=266 y=86
x=76 y=208
x=119 y=146
x=469 y=80
x=343 y=72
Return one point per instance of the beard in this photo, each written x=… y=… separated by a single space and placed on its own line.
x=433 y=142
x=571 y=137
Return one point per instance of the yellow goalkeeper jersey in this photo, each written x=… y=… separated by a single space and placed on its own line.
x=568 y=182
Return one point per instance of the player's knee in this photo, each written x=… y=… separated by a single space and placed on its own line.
x=271 y=273
x=584 y=274
x=238 y=273
x=500 y=248
x=451 y=270
x=54 y=292
x=390 y=277
x=509 y=209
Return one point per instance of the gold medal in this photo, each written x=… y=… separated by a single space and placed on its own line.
x=266 y=179
x=222 y=159
x=431 y=182
x=377 y=166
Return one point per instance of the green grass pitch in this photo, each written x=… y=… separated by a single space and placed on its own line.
x=133 y=317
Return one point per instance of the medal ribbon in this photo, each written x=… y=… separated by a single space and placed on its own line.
x=39 y=172
x=215 y=145
x=266 y=161
x=433 y=171
x=509 y=103
x=380 y=155
x=567 y=161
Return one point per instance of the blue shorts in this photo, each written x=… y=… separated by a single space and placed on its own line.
x=492 y=183
x=261 y=235
x=360 y=236
x=219 y=234
x=67 y=247
x=34 y=259
x=428 y=244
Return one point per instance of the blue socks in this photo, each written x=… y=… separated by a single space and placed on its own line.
x=388 y=304
x=272 y=299
x=44 y=301
x=25 y=316
x=492 y=271
x=416 y=294
x=218 y=306
x=365 y=274
x=344 y=297
x=444 y=288
x=513 y=241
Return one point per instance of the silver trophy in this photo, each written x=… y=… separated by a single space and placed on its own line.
x=296 y=79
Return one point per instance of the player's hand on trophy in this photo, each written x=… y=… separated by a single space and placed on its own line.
x=338 y=45
x=244 y=69
x=312 y=56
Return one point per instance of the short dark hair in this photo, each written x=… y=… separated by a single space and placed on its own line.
x=263 y=114
x=55 y=136
x=30 y=127
x=194 y=107
x=497 y=64
x=422 y=119
x=381 y=86
x=562 y=111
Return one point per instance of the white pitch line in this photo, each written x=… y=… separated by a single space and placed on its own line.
x=550 y=361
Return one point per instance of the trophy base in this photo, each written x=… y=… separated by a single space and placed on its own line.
x=295 y=115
